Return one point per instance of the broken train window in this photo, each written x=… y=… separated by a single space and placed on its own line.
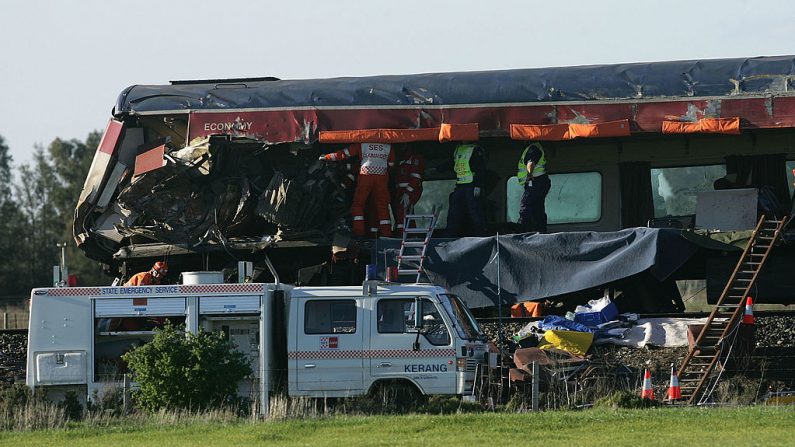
x=435 y=196
x=573 y=198
x=675 y=189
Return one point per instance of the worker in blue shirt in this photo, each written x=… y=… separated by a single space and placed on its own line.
x=532 y=173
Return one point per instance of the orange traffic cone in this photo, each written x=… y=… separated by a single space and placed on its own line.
x=647 y=392
x=748 y=316
x=674 y=392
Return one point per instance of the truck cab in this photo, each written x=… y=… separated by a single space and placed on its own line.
x=343 y=341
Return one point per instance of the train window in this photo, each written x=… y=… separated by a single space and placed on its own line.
x=791 y=176
x=435 y=195
x=674 y=190
x=573 y=198
x=330 y=317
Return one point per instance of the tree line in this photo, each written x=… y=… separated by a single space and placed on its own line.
x=37 y=203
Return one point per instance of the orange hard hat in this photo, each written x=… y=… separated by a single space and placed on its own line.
x=159 y=269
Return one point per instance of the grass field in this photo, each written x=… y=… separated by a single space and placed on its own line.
x=652 y=427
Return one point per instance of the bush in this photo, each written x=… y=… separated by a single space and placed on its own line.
x=626 y=399
x=108 y=402
x=71 y=406
x=450 y=405
x=737 y=390
x=21 y=409
x=398 y=396
x=14 y=397
x=179 y=370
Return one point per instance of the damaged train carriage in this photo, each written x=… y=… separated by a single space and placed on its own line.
x=208 y=172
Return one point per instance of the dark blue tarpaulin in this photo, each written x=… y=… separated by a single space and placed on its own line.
x=693 y=78
x=535 y=266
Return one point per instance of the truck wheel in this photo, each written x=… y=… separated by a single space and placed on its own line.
x=398 y=396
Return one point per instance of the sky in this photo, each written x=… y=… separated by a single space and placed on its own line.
x=64 y=63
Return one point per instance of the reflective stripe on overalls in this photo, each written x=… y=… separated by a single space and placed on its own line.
x=461 y=158
x=538 y=168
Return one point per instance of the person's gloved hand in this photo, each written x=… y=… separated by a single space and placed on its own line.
x=404 y=200
x=476 y=192
x=322 y=158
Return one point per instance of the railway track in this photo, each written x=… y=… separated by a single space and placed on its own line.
x=525 y=320
x=757 y=313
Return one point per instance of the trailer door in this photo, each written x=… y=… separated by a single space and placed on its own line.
x=329 y=347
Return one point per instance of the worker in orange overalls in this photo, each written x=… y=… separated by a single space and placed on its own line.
x=376 y=159
x=348 y=175
x=350 y=169
x=371 y=219
x=152 y=277
x=408 y=185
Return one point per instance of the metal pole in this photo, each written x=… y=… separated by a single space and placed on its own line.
x=272 y=269
x=536 y=379
x=386 y=263
x=499 y=296
x=5 y=320
x=62 y=246
x=125 y=393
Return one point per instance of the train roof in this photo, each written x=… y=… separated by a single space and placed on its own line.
x=616 y=82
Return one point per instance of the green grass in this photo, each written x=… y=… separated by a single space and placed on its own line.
x=653 y=427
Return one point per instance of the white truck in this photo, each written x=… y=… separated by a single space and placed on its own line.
x=330 y=341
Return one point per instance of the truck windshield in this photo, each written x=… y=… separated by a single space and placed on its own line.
x=465 y=323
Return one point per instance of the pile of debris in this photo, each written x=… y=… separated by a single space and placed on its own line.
x=607 y=363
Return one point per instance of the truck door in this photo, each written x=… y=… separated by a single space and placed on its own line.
x=59 y=340
x=398 y=349
x=328 y=352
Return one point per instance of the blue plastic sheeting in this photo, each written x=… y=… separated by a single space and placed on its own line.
x=536 y=266
x=558 y=323
x=693 y=78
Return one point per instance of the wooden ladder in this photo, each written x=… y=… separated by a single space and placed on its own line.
x=705 y=355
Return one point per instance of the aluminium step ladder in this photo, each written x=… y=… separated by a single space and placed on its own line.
x=417 y=231
x=712 y=346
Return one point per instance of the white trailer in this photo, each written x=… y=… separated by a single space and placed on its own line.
x=324 y=341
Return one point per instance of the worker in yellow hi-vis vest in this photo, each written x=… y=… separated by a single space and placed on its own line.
x=532 y=173
x=465 y=214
